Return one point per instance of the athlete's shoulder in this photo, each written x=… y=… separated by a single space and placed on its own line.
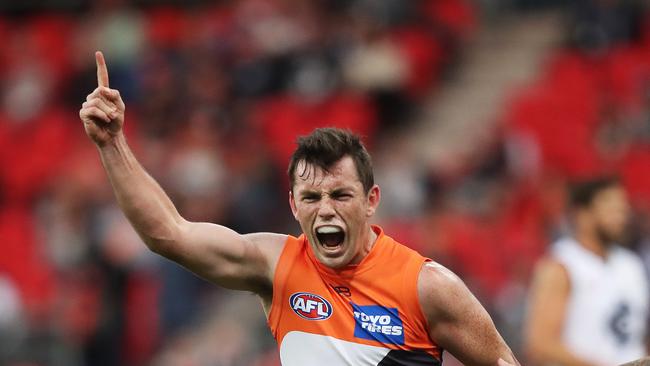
x=439 y=287
x=550 y=271
x=434 y=274
x=270 y=245
x=571 y=256
x=565 y=246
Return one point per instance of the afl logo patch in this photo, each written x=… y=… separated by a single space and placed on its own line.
x=309 y=306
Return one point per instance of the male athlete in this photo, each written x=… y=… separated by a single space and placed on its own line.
x=343 y=293
x=589 y=300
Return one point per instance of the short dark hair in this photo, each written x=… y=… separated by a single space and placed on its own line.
x=582 y=193
x=325 y=146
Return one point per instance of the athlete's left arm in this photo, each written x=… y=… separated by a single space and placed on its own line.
x=457 y=321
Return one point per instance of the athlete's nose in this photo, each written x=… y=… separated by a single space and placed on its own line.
x=326 y=209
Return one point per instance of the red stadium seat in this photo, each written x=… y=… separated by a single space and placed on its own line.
x=284 y=117
x=23 y=260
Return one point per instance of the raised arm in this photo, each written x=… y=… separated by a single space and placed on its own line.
x=219 y=254
x=458 y=322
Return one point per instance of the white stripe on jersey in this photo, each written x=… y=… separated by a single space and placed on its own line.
x=300 y=349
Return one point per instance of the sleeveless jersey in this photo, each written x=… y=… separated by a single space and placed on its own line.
x=365 y=314
x=607 y=312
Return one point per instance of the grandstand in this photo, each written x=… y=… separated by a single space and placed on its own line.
x=478 y=114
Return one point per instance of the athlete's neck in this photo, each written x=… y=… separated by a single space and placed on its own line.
x=368 y=242
x=372 y=238
x=592 y=242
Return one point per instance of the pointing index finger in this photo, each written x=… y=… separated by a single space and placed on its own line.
x=102 y=71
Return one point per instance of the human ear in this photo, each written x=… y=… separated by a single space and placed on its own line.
x=292 y=204
x=374 y=196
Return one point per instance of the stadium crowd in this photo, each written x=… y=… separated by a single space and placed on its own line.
x=216 y=94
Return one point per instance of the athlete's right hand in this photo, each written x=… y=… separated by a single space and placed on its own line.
x=103 y=111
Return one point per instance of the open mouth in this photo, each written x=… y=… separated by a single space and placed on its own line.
x=330 y=236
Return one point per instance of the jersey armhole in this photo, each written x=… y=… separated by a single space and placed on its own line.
x=279 y=279
x=412 y=293
x=412 y=288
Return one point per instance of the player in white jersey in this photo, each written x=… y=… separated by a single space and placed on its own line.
x=588 y=304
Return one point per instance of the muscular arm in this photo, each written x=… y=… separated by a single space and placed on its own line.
x=546 y=310
x=243 y=262
x=214 y=252
x=457 y=321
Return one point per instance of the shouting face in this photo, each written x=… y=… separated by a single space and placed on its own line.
x=334 y=211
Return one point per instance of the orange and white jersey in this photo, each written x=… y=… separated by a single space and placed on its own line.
x=365 y=314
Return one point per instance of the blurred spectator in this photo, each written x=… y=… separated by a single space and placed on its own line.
x=590 y=297
x=601 y=24
x=216 y=93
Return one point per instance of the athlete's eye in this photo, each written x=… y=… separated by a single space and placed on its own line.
x=310 y=198
x=342 y=196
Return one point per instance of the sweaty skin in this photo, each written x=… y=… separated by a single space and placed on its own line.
x=336 y=198
x=333 y=198
x=457 y=321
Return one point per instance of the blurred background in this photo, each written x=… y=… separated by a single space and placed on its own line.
x=478 y=114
